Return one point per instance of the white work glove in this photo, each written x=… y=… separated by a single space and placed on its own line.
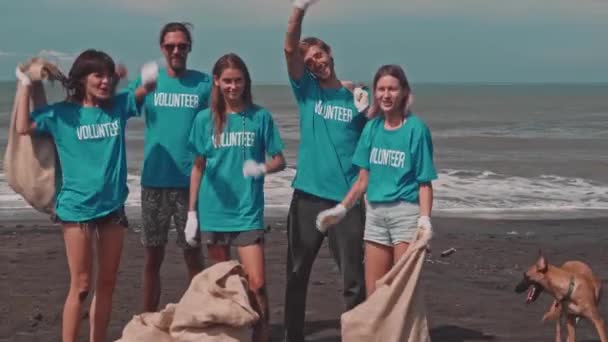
x=329 y=217
x=253 y=169
x=22 y=77
x=425 y=222
x=361 y=98
x=149 y=73
x=303 y=4
x=191 y=229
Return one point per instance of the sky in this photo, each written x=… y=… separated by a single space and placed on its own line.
x=442 y=41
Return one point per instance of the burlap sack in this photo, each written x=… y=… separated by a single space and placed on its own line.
x=29 y=161
x=216 y=307
x=396 y=311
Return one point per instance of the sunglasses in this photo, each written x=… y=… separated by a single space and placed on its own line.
x=180 y=47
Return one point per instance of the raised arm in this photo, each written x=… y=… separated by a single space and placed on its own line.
x=295 y=61
x=24 y=125
x=149 y=75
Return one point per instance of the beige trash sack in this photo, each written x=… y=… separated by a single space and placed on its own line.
x=29 y=161
x=396 y=311
x=216 y=307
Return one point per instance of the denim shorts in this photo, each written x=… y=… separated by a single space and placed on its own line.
x=391 y=223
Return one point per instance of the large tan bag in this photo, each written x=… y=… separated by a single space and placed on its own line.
x=396 y=311
x=150 y=326
x=29 y=161
x=216 y=307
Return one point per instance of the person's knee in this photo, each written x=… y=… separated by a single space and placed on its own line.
x=257 y=284
x=81 y=285
x=106 y=283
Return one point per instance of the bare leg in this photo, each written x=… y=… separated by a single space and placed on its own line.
x=398 y=250
x=378 y=261
x=109 y=251
x=252 y=259
x=194 y=261
x=79 y=253
x=218 y=253
x=151 y=284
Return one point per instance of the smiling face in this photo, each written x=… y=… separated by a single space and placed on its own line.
x=99 y=86
x=176 y=47
x=319 y=62
x=231 y=83
x=389 y=94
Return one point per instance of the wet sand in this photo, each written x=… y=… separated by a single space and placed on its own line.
x=470 y=294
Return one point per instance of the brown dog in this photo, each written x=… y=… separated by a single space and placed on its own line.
x=576 y=291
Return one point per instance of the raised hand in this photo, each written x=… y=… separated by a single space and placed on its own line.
x=22 y=77
x=149 y=74
x=303 y=4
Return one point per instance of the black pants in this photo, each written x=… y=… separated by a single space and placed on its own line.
x=304 y=242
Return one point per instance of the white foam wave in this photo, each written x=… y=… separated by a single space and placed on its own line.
x=457 y=193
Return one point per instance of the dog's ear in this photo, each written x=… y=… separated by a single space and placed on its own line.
x=541 y=263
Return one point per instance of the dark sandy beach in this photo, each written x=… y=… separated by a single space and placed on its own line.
x=469 y=294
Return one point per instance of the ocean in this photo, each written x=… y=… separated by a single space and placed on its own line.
x=517 y=151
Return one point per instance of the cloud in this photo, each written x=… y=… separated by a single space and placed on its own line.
x=63 y=56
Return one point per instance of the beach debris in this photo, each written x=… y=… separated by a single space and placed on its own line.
x=36 y=319
x=448 y=252
x=436 y=261
x=512 y=233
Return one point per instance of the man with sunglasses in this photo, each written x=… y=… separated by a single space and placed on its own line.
x=170 y=109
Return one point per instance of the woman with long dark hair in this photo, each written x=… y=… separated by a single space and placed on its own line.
x=231 y=140
x=88 y=128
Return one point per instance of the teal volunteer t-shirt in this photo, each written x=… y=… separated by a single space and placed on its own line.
x=169 y=113
x=91 y=148
x=398 y=160
x=330 y=126
x=227 y=200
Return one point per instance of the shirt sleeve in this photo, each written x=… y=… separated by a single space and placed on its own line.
x=423 y=156
x=205 y=96
x=362 y=152
x=272 y=139
x=199 y=135
x=139 y=106
x=125 y=101
x=302 y=87
x=44 y=118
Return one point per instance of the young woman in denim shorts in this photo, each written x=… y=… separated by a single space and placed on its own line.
x=395 y=156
